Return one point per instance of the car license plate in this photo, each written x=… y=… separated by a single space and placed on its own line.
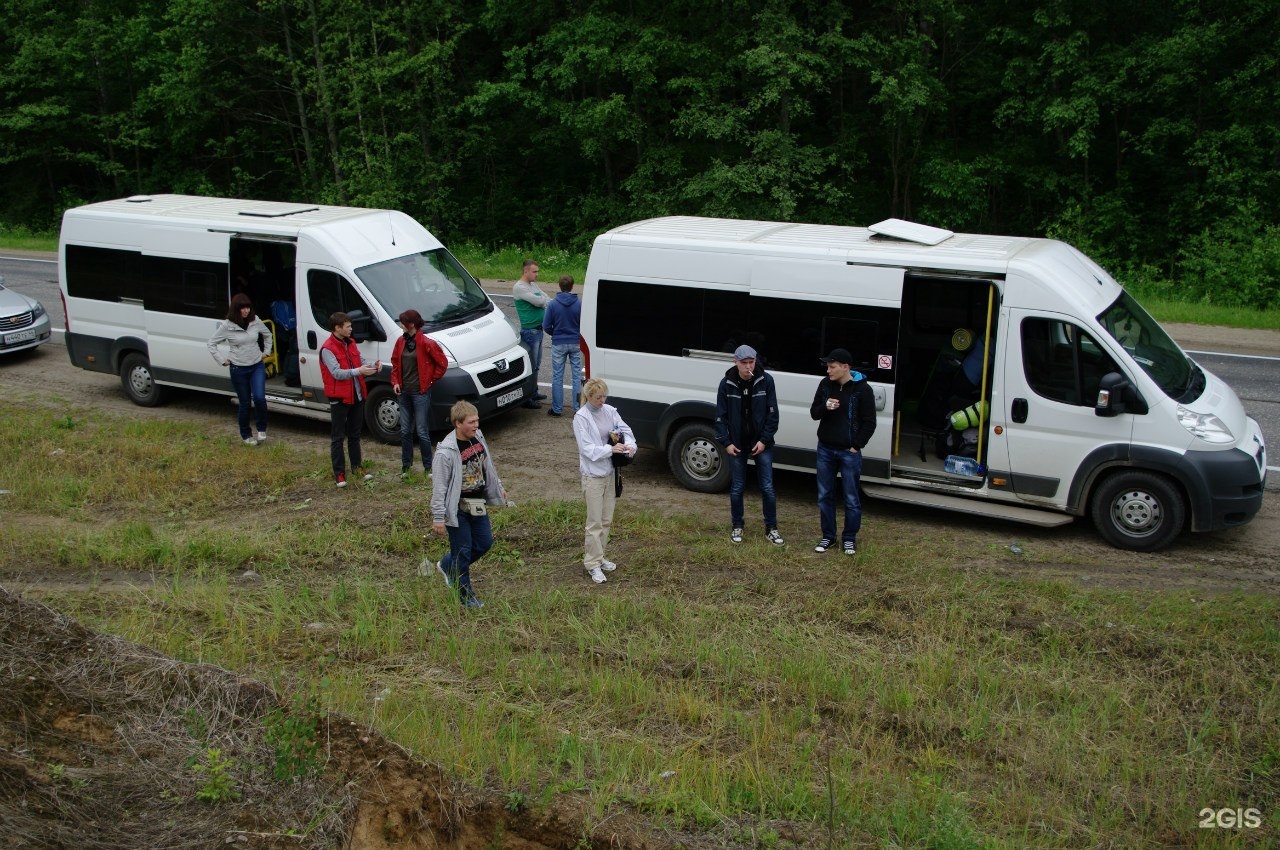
x=19 y=336
x=507 y=398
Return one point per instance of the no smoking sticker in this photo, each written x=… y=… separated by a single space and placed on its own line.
x=884 y=361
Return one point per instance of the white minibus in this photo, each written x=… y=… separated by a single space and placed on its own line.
x=145 y=280
x=1074 y=401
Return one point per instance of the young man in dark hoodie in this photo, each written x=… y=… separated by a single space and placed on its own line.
x=845 y=408
x=746 y=422
x=563 y=323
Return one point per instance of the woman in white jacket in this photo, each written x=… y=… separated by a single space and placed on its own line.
x=601 y=434
x=247 y=340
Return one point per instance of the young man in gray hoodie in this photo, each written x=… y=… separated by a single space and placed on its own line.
x=464 y=482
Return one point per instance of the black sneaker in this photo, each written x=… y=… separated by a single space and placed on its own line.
x=551 y=412
x=850 y=548
x=823 y=545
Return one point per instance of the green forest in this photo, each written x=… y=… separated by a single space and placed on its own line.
x=1145 y=132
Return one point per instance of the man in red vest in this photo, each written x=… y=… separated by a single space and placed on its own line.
x=344 y=375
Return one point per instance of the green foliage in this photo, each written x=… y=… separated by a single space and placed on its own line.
x=219 y=785
x=293 y=734
x=1144 y=134
x=1235 y=261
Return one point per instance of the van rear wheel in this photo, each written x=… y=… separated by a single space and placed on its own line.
x=1139 y=511
x=138 y=382
x=698 y=461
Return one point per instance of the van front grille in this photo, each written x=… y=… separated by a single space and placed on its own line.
x=491 y=378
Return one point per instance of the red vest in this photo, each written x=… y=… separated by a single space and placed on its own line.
x=348 y=356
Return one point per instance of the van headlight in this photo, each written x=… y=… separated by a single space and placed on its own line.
x=1205 y=426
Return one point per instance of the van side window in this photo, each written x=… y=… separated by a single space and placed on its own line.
x=163 y=284
x=790 y=334
x=103 y=274
x=331 y=293
x=186 y=287
x=1062 y=362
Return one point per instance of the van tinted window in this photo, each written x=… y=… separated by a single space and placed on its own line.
x=164 y=284
x=103 y=274
x=789 y=334
x=1062 y=362
x=187 y=287
x=330 y=293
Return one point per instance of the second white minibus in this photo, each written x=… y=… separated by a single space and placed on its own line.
x=1075 y=401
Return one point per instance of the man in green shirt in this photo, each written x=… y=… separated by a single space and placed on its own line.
x=531 y=303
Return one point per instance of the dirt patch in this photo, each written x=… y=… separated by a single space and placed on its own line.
x=101 y=743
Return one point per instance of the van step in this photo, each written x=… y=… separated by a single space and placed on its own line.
x=1016 y=513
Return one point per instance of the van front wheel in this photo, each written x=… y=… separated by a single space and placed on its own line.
x=1139 y=511
x=698 y=461
x=138 y=382
x=382 y=414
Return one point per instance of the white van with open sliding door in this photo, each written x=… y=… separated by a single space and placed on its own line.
x=1013 y=377
x=146 y=278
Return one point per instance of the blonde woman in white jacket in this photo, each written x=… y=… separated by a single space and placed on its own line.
x=601 y=434
x=246 y=339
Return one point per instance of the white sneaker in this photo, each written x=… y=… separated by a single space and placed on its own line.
x=608 y=566
x=250 y=441
x=262 y=436
x=597 y=576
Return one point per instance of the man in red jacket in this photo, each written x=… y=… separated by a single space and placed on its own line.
x=344 y=375
x=417 y=362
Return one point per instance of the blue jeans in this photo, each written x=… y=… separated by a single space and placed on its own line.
x=250 y=381
x=558 y=355
x=414 y=407
x=467 y=544
x=849 y=465
x=738 y=486
x=531 y=339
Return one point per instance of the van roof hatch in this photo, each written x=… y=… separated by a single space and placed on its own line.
x=909 y=231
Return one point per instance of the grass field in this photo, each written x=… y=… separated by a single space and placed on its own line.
x=899 y=699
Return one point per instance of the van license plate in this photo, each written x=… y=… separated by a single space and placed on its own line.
x=19 y=336
x=507 y=398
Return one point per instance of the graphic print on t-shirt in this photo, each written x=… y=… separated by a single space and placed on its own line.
x=472 y=468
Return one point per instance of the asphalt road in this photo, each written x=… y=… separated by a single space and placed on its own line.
x=1255 y=378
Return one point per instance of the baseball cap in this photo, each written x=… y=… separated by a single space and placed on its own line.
x=838 y=355
x=744 y=352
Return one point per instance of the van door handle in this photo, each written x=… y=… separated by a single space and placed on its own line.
x=1019 y=411
x=311 y=340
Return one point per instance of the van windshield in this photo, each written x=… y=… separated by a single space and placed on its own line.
x=432 y=282
x=1152 y=349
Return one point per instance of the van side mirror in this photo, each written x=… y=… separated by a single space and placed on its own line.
x=360 y=325
x=1116 y=396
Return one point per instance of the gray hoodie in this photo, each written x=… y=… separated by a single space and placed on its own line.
x=242 y=342
x=446 y=479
